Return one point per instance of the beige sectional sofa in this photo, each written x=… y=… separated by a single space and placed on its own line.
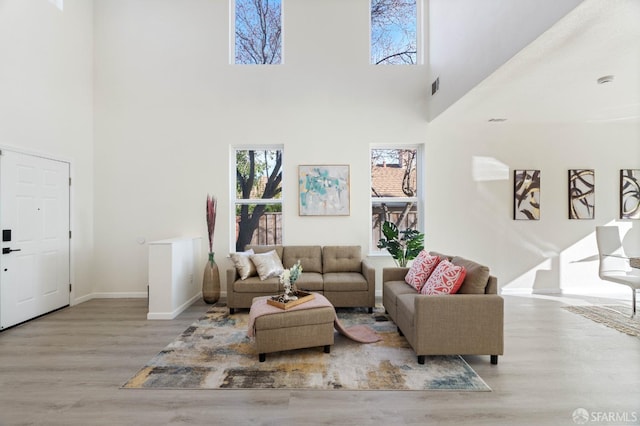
x=469 y=322
x=338 y=272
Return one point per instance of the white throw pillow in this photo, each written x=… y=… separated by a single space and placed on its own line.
x=243 y=264
x=267 y=264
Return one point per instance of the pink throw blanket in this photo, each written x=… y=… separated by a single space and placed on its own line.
x=358 y=333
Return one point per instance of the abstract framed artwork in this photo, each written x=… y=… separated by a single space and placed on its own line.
x=323 y=190
x=582 y=194
x=629 y=194
x=526 y=194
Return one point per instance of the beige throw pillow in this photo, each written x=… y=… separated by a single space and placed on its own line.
x=267 y=264
x=243 y=264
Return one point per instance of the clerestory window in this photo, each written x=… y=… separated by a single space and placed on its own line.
x=394 y=32
x=258 y=31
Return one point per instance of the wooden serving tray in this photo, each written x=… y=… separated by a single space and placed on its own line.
x=303 y=297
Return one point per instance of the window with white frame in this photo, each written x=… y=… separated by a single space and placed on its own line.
x=396 y=195
x=258 y=31
x=394 y=31
x=257 y=196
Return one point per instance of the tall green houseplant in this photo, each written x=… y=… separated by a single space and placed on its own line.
x=402 y=245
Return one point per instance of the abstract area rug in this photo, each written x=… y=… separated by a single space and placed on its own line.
x=215 y=353
x=613 y=316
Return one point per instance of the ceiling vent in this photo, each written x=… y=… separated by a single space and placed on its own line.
x=605 y=79
x=435 y=86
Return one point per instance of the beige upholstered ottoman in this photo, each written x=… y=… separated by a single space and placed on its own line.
x=304 y=328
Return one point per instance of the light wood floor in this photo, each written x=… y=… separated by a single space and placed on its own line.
x=66 y=369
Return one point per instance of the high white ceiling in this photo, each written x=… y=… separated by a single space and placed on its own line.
x=554 y=79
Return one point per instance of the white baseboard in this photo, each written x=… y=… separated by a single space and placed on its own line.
x=120 y=295
x=176 y=312
x=82 y=299
x=109 y=295
x=142 y=295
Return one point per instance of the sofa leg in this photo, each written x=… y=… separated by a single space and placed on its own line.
x=400 y=332
x=370 y=310
x=420 y=359
x=232 y=311
x=494 y=359
x=327 y=349
x=262 y=357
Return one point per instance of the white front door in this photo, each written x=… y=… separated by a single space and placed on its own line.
x=34 y=219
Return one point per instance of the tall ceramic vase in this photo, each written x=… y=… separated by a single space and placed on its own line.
x=211 y=281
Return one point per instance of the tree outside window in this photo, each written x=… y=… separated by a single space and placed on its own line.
x=258 y=197
x=258 y=32
x=395 y=195
x=393 y=32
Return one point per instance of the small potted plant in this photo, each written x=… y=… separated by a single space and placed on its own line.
x=402 y=245
x=288 y=279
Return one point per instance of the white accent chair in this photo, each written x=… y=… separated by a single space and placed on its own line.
x=614 y=264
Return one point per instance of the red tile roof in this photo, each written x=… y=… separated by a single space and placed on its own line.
x=386 y=181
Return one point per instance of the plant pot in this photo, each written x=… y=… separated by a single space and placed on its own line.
x=211 y=281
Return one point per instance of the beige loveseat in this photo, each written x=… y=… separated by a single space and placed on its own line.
x=338 y=272
x=469 y=322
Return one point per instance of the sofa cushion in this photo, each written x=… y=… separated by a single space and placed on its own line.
x=391 y=290
x=310 y=281
x=256 y=285
x=310 y=257
x=267 y=264
x=406 y=302
x=345 y=281
x=446 y=279
x=477 y=276
x=421 y=268
x=243 y=264
x=341 y=259
x=396 y=288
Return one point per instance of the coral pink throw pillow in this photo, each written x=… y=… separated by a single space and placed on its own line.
x=421 y=269
x=446 y=279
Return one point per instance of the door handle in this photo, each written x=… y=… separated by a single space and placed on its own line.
x=7 y=250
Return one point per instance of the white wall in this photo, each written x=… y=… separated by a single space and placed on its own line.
x=469 y=39
x=46 y=103
x=558 y=119
x=473 y=217
x=169 y=107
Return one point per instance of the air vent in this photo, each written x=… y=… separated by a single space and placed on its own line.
x=605 y=79
x=435 y=86
x=497 y=120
